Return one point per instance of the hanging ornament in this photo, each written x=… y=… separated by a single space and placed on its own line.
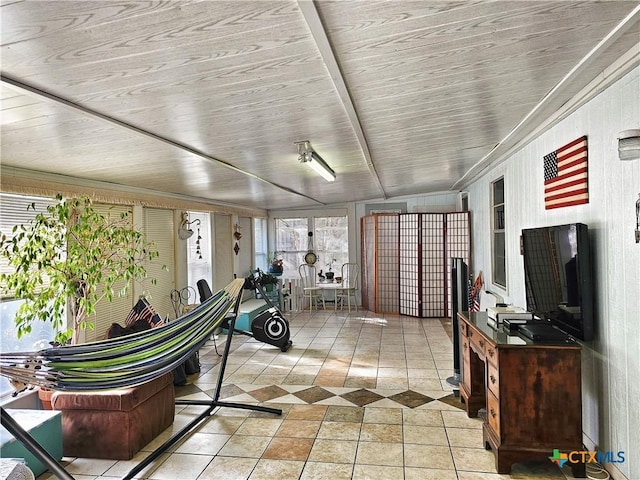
x=198 y=249
x=310 y=258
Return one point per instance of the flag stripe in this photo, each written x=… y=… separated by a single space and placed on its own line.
x=553 y=187
x=566 y=175
x=569 y=193
x=567 y=204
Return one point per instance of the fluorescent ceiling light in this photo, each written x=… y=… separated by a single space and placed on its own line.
x=310 y=157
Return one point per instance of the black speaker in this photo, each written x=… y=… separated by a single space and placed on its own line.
x=459 y=303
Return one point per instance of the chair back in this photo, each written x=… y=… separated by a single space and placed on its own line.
x=204 y=290
x=308 y=275
x=350 y=275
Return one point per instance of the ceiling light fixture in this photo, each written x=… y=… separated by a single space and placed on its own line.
x=308 y=156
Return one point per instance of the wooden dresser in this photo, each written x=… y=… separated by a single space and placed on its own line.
x=531 y=392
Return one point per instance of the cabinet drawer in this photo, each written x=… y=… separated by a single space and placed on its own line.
x=466 y=366
x=492 y=354
x=493 y=379
x=463 y=328
x=478 y=343
x=493 y=413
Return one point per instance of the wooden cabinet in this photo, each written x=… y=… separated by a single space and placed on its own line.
x=529 y=393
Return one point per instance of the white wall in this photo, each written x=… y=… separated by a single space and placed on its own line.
x=611 y=363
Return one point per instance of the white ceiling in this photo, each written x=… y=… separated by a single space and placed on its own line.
x=205 y=99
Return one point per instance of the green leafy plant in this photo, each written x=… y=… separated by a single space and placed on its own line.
x=71 y=257
x=266 y=279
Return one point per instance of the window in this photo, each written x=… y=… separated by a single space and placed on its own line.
x=13 y=211
x=199 y=252
x=260 y=248
x=498 y=254
x=330 y=242
x=292 y=240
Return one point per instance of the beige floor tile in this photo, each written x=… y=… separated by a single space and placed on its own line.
x=473 y=459
x=427 y=418
x=229 y=468
x=377 y=472
x=183 y=466
x=286 y=448
x=383 y=415
x=424 y=435
x=380 y=432
x=223 y=425
x=250 y=446
x=465 y=437
x=460 y=419
x=428 y=456
x=299 y=428
x=380 y=453
x=267 y=469
x=340 y=430
x=203 y=443
x=324 y=471
x=259 y=426
x=412 y=473
x=334 y=451
x=89 y=466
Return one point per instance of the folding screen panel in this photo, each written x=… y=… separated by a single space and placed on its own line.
x=427 y=243
x=433 y=259
x=380 y=267
x=458 y=246
x=406 y=261
x=410 y=273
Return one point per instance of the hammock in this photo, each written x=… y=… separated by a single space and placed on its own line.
x=123 y=361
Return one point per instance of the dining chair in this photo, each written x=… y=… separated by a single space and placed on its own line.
x=350 y=277
x=310 y=290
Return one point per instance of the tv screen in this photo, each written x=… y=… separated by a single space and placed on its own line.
x=558 y=277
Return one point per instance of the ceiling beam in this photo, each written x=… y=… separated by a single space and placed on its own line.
x=23 y=87
x=310 y=14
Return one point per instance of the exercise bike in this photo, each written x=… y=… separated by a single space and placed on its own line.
x=269 y=326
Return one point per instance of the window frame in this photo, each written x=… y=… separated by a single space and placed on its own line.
x=498 y=234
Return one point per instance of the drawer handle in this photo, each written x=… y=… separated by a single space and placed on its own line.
x=481 y=342
x=491 y=352
x=470 y=333
x=493 y=379
x=465 y=346
x=493 y=413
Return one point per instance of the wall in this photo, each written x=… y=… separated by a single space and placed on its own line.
x=610 y=381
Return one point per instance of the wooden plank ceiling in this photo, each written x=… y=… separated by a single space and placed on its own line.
x=206 y=99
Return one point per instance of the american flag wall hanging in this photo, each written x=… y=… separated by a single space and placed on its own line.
x=565 y=175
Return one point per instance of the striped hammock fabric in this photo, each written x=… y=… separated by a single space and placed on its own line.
x=122 y=361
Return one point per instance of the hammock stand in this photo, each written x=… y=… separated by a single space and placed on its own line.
x=59 y=471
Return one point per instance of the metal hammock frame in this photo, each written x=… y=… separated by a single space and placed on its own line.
x=128 y=361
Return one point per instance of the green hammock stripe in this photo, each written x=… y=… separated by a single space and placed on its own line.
x=123 y=361
x=130 y=342
x=159 y=344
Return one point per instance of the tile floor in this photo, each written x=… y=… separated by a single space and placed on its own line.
x=363 y=396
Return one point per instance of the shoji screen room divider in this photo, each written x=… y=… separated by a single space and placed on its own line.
x=407 y=261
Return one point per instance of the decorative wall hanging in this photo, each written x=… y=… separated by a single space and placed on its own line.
x=310 y=258
x=566 y=175
x=236 y=234
x=236 y=248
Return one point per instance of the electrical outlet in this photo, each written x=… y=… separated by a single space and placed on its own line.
x=637 y=236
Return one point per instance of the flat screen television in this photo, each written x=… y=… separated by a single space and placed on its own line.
x=558 y=277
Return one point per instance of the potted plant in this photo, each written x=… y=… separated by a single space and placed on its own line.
x=71 y=258
x=267 y=280
x=330 y=273
x=276 y=265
